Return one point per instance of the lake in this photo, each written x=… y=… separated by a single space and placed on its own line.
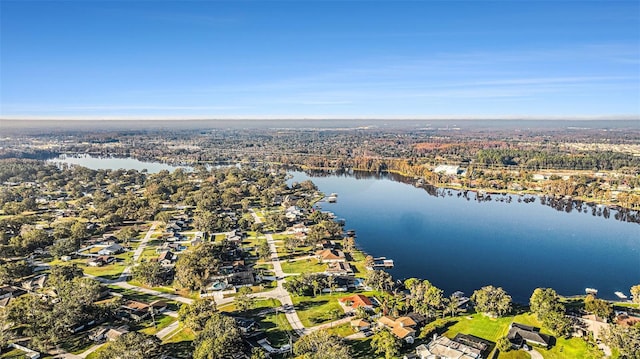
x=113 y=163
x=461 y=244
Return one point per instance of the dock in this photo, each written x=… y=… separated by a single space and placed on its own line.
x=382 y=262
x=591 y=291
x=620 y=295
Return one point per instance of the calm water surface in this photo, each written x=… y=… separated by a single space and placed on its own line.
x=464 y=245
x=112 y=163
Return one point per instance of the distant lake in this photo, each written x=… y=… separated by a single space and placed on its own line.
x=113 y=163
x=463 y=244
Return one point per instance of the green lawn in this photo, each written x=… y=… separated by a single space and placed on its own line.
x=342 y=330
x=310 y=265
x=181 y=334
x=480 y=326
x=492 y=329
x=162 y=321
x=361 y=348
x=111 y=271
x=13 y=354
x=317 y=310
x=277 y=328
x=142 y=297
x=514 y=354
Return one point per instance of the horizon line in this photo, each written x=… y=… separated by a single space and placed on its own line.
x=576 y=117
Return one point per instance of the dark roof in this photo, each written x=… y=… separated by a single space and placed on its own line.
x=519 y=332
x=472 y=341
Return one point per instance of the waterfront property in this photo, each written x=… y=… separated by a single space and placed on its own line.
x=403 y=327
x=461 y=347
x=449 y=236
x=520 y=334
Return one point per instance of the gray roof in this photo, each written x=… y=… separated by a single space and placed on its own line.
x=519 y=332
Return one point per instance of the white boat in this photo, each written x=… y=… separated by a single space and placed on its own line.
x=620 y=295
x=591 y=291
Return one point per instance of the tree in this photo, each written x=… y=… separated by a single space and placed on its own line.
x=635 y=293
x=264 y=251
x=290 y=244
x=258 y=353
x=379 y=280
x=6 y=334
x=205 y=222
x=320 y=344
x=452 y=305
x=13 y=271
x=195 y=315
x=79 y=230
x=492 y=301
x=545 y=304
x=503 y=344
x=597 y=306
x=149 y=273
x=194 y=267
x=544 y=300
x=425 y=298
x=132 y=345
x=625 y=339
x=163 y=217
x=386 y=342
x=60 y=275
x=219 y=339
x=243 y=301
x=334 y=229
x=557 y=322
x=349 y=244
x=64 y=246
x=126 y=234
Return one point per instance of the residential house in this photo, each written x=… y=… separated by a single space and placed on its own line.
x=519 y=334
x=158 y=306
x=99 y=261
x=360 y=325
x=402 y=327
x=246 y=325
x=623 y=319
x=35 y=283
x=98 y=334
x=8 y=293
x=297 y=228
x=339 y=269
x=353 y=302
x=136 y=310
x=167 y=258
x=114 y=333
x=235 y=236
x=111 y=250
x=330 y=255
x=445 y=348
x=448 y=170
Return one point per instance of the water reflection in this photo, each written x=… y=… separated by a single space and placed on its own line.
x=567 y=205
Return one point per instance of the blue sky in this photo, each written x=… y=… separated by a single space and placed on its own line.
x=217 y=59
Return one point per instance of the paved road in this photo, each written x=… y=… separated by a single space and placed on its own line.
x=280 y=293
x=138 y=252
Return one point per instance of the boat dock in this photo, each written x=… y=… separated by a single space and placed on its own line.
x=620 y=295
x=382 y=262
